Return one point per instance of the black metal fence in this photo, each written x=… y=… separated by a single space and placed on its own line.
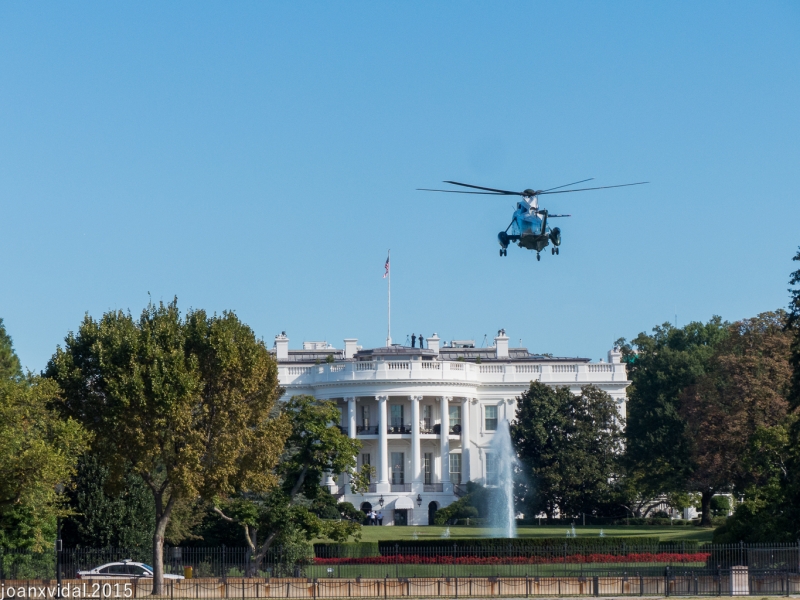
x=738 y=569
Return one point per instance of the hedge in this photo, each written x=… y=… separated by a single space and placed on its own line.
x=579 y=544
x=347 y=550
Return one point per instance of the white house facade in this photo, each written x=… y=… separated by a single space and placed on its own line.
x=426 y=416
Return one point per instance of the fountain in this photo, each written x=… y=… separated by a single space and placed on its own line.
x=602 y=533
x=502 y=515
x=446 y=533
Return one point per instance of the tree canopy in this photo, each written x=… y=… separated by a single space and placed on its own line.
x=188 y=404
x=293 y=508
x=38 y=454
x=569 y=446
x=660 y=367
x=10 y=367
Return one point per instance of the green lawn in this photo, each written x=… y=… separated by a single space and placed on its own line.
x=676 y=533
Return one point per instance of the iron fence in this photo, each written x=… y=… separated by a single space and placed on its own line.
x=407 y=570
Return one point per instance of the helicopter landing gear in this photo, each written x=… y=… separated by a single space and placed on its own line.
x=553 y=251
x=538 y=257
x=558 y=251
x=503 y=252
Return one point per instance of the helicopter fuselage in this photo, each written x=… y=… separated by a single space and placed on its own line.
x=528 y=229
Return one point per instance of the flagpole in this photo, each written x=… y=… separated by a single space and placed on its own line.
x=389 y=327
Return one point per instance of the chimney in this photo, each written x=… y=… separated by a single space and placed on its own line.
x=433 y=343
x=350 y=347
x=614 y=356
x=501 y=344
x=282 y=346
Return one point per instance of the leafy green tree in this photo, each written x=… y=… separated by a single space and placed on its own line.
x=660 y=367
x=107 y=515
x=38 y=453
x=188 y=404
x=9 y=362
x=569 y=446
x=313 y=449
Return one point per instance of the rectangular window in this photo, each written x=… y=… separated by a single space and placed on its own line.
x=491 y=469
x=491 y=418
x=397 y=416
x=427 y=468
x=455 y=419
x=427 y=417
x=398 y=468
x=455 y=468
x=365 y=416
x=365 y=461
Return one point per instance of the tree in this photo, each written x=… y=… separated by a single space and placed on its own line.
x=38 y=452
x=660 y=366
x=188 y=404
x=107 y=515
x=313 y=449
x=742 y=392
x=569 y=446
x=9 y=362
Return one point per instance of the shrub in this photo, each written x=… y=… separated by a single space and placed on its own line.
x=585 y=544
x=348 y=550
x=720 y=506
x=447 y=559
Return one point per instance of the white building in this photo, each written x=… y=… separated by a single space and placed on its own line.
x=426 y=417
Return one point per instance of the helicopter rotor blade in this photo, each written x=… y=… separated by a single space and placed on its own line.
x=556 y=216
x=477 y=187
x=605 y=187
x=460 y=192
x=567 y=185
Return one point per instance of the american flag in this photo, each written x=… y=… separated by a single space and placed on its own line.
x=386 y=266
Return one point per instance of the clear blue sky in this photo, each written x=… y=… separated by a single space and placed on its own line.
x=263 y=156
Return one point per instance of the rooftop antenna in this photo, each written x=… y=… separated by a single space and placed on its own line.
x=485 y=337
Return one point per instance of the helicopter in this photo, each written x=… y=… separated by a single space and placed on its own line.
x=529 y=228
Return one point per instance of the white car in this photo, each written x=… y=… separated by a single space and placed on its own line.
x=126 y=569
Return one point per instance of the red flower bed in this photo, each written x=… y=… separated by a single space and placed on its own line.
x=416 y=559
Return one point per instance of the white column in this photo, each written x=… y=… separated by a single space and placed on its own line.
x=445 y=437
x=351 y=432
x=383 y=446
x=465 y=441
x=416 y=464
x=351 y=417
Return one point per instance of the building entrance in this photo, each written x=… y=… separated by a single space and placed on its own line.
x=401 y=516
x=432 y=508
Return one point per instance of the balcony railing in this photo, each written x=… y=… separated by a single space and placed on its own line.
x=400 y=487
x=558 y=372
x=366 y=430
x=433 y=487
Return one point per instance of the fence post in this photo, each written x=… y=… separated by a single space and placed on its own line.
x=171 y=588
x=666 y=581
